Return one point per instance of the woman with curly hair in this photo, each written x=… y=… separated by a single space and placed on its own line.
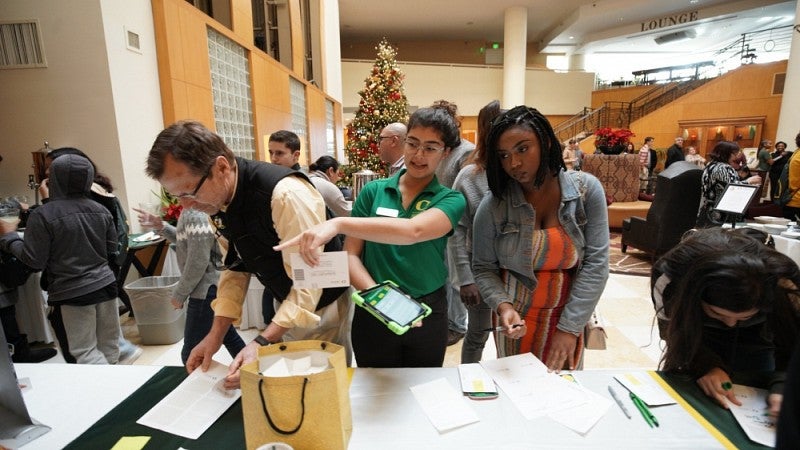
x=540 y=241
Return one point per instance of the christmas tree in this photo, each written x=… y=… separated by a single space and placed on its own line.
x=382 y=102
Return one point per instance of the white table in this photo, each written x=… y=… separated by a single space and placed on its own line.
x=787 y=246
x=385 y=414
x=69 y=398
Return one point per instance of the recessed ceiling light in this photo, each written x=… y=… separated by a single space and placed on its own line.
x=692 y=2
x=572 y=37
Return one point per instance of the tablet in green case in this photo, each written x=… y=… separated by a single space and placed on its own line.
x=389 y=304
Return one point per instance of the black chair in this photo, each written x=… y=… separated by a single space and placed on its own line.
x=673 y=212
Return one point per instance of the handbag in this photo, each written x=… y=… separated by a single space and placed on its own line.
x=308 y=411
x=594 y=333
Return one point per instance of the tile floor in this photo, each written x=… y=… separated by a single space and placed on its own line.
x=625 y=305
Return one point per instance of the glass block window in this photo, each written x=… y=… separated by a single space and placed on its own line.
x=297 y=94
x=330 y=131
x=230 y=85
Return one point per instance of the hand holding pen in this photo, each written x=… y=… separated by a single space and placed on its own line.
x=509 y=319
x=503 y=327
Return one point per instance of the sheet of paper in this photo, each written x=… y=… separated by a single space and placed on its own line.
x=533 y=390
x=475 y=379
x=445 y=407
x=194 y=405
x=331 y=271
x=131 y=443
x=582 y=418
x=646 y=388
x=752 y=415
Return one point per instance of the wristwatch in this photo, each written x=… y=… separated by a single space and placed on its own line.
x=262 y=341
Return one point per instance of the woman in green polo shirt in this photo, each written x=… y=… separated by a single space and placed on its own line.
x=398 y=231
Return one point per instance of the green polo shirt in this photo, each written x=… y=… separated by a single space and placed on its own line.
x=419 y=268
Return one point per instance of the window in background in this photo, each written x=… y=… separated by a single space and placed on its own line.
x=230 y=85
x=297 y=99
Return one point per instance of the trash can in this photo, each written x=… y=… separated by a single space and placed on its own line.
x=158 y=321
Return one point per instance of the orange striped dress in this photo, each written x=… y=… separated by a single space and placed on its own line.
x=554 y=260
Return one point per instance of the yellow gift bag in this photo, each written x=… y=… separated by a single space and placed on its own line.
x=297 y=393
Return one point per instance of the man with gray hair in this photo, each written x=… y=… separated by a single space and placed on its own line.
x=391 y=140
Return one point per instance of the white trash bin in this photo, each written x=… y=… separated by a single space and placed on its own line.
x=158 y=321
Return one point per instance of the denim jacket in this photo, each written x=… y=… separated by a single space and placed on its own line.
x=503 y=233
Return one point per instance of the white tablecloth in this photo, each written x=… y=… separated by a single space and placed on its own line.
x=32 y=311
x=787 y=246
x=251 y=310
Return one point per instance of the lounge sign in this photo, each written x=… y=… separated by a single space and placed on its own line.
x=669 y=21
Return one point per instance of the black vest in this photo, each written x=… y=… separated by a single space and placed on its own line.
x=247 y=224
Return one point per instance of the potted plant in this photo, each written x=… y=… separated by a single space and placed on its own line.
x=612 y=141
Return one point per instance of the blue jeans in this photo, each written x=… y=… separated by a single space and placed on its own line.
x=199 y=318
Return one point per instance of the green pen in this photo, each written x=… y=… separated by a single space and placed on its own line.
x=644 y=410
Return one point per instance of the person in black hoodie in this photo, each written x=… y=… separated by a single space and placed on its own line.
x=72 y=237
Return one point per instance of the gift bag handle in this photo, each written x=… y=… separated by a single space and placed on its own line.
x=266 y=413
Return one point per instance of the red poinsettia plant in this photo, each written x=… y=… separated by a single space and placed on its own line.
x=611 y=137
x=170 y=207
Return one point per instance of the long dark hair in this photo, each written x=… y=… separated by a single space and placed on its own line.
x=323 y=163
x=552 y=160
x=485 y=117
x=728 y=269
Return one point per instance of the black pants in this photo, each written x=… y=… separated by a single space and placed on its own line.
x=374 y=345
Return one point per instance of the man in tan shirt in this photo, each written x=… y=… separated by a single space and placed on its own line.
x=194 y=164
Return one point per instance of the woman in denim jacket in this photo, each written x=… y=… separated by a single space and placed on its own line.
x=540 y=242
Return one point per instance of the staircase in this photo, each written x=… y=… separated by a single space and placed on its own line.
x=621 y=114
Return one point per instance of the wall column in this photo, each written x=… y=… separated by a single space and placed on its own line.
x=515 y=43
x=789 y=119
x=577 y=62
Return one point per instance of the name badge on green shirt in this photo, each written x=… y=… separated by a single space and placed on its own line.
x=386 y=212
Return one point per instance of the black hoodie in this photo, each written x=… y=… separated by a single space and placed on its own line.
x=71 y=236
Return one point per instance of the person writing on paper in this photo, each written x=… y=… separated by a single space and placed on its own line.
x=729 y=311
x=198 y=255
x=398 y=231
x=717 y=175
x=540 y=241
x=254 y=205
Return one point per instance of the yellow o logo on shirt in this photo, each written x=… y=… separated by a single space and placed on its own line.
x=422 y=205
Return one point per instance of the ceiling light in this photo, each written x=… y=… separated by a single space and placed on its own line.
x=572 y=37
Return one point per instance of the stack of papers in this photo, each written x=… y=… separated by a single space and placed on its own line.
x=537 y=392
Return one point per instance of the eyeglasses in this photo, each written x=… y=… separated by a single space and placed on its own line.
x=197 y=188
x=413 y=146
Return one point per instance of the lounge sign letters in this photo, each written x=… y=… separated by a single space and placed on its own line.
x=669 y=21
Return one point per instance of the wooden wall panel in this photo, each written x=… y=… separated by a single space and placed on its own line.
x=180 y=103
x=185 y=75
x=278 y=88
x=298 y=45
x=194 y=40
x=242 y=19
x=201 y=106
x=745 y=92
